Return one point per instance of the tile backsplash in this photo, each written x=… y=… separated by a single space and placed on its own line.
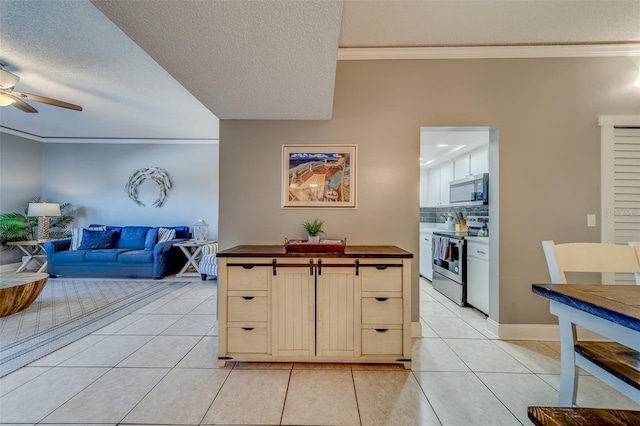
x=439 y=214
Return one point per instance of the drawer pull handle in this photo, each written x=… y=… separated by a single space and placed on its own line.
x=382 y=299
x=381 y=267
x=247 y=328
x=248 y=266
x=381 y=330
x=247 y=297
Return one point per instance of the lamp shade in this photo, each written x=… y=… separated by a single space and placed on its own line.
x=43 y=209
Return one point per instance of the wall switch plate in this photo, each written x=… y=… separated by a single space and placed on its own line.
x=591 y=220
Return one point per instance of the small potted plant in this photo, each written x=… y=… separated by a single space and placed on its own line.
x=313 y=230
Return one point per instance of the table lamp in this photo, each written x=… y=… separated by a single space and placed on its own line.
x=43 y=211
x=200 y=231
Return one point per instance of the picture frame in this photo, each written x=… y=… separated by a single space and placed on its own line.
x=322 y=176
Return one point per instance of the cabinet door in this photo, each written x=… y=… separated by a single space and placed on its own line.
x=426 y=258
x=446 y=176
x=479 y=161
x=478 y=283
x=461 y=167
x=433 y=187
x=338 y=322
x=293 y=314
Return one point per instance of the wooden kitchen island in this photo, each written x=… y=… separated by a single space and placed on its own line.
x=351 y=307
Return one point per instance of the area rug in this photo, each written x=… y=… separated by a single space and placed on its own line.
x=68 y=309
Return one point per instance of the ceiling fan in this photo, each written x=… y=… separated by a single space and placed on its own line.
x=8 y=96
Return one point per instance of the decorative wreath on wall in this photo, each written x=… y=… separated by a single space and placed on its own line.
x=156 y=174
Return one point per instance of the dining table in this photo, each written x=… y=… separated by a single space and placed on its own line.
x=612 y=311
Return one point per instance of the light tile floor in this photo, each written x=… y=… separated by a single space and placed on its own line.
x=158 y=366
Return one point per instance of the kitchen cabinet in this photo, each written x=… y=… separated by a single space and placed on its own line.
x=438 y=185
x=479 y=161
x=315 y=307
x=461 y=167
x=478 y=273
x=426 y=258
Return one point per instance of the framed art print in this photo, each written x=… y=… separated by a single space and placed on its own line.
x=319 y=176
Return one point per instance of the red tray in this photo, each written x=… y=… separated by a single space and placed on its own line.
x=303 y=246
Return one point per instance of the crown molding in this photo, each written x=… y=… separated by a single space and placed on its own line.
x=488 y=52
x=166 y=141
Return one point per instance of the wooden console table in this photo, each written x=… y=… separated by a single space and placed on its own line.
x=352 y=307
x=18 y=291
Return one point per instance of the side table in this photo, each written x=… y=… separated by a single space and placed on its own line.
x=193 y=251
x=34 y=250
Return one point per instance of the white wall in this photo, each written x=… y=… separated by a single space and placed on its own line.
x=93 y=177
x=19 y=180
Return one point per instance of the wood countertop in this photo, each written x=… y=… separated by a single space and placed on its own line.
x=391 y=252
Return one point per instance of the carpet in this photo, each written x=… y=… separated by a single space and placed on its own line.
x=68 y=309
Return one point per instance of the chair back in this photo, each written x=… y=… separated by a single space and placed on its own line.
x=591 y=257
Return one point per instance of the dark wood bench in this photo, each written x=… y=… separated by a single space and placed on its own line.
x=618 y=360
x=565 y=416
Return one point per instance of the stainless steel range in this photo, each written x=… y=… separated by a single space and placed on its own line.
x=449 y=252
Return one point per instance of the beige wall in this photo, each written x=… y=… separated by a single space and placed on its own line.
x=546 y=114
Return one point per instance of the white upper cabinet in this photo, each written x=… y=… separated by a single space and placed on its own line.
x=446 y=176
x=479 y=161
x=433 y=187
x=438 y=179
x=461 y=167
x=424 y=188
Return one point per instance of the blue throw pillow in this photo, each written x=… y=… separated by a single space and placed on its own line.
x=96 y=239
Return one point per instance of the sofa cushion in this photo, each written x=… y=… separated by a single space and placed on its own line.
x=136 y=256
x=97 y=239
x=133 y=237
x=166 y=234
x=69 y=256
x=150 y=240
x=108 y=255
x=76 y=235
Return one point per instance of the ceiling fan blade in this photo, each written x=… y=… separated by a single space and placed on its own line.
x=19 y=103
x=45 y=100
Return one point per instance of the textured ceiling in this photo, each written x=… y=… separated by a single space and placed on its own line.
x=242 y=59
x=68 y=50
x=161 y=69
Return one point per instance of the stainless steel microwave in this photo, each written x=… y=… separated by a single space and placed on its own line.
x=470 y=190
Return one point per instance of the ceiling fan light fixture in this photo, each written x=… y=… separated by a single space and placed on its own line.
x=5 y=100
x=7 y=79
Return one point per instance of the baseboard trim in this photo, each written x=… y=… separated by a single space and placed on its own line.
x=416 y=329
x=548 y=332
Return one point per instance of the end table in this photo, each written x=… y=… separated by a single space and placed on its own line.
x=193 y=251
x=34 y=250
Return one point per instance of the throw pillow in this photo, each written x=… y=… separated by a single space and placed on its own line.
x=96 y=239
x=76 y=235
x=166 y=234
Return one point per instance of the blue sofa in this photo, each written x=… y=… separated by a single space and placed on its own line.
x=117 y=252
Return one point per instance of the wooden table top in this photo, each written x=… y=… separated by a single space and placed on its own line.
x=349 y=252
x=27 y=243
x=13 y=279
x=617 y=303
x=191 y=243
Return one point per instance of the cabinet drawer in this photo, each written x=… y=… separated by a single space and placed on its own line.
x=387 y=279
x=247 y=308
x=478 y=250
x=247 y=339
x=241 y=278
x=382 y=310
x=381 y=341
